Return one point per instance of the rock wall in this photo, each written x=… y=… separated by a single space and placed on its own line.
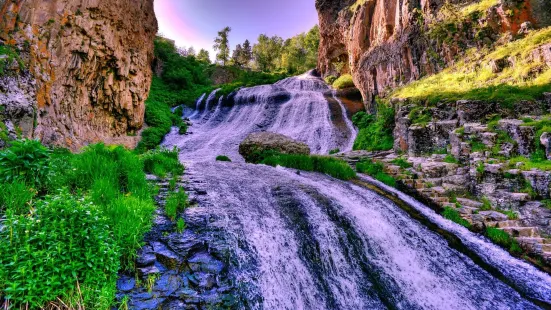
x=385 y=43
x=85 y=68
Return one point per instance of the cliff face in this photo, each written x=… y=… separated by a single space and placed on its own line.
x=387 y=43
x=84 y=68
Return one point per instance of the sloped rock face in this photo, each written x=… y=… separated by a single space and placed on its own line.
x=384 y=43
x=90 y=62
x=257 y=143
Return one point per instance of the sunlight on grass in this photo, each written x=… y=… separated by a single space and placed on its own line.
x=473 y=77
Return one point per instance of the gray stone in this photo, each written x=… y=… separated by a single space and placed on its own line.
x=523 y=135
x=473 y=110
x=420 y=140
x=545 y=140
x=165 y=256
x=539 y=180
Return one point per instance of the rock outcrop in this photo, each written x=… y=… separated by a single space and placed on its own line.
x=85 y=68
x=388 y=43
x=256 y=144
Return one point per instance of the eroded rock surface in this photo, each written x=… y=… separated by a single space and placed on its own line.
x=257 y=143
x=89 y=63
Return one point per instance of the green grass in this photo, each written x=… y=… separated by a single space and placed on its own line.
x=450 y=159
x=503 y=239
x=328 y=165
x=344 y=81
x=223 y=158
x=176 y=203
x=334 y=151
x=79 y=217
x=375 y=133
x=454 y=216
x=529 y=164
x=467 y=79
x=402 y=163
x=161 y=162
x=376 y=170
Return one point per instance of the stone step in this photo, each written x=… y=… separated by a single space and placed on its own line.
x=546 y=248
x=469 y=203
x=506 y=224
x=528 y=240
x=441 y=200
x=522 y=231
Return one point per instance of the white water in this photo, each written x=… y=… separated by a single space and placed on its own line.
x=308 y=241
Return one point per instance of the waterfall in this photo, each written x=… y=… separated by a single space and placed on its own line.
x=308 y=241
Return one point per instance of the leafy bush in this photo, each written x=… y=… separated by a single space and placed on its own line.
x=45 y=254
x=375 y=132
x=503 y=239
x=223 y=158
x=162 y=161
x=376 y=170
x=25 y=161
x=330 y=79
x=334 y=167
x=454 y=216
x=344 y=81
x=450 y=159
x=176 y=203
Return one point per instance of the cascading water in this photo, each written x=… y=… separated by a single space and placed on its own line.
x=308 y=241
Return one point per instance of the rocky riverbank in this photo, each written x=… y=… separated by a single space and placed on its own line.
x=485 y=163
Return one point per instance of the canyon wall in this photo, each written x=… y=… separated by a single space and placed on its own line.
x=388 y=43
x=82 y=69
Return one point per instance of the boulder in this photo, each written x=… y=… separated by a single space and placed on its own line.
x=256 y=144
x=474 y=110
x=420 y=140
x=539 y=180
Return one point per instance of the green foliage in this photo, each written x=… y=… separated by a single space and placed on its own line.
x=375 y=134
x=180 y=225
x=15 y=197
x=176 y=203
x=45 y=253
x=334 y=151
x=511 y=215
x=486 y=204
x=223 y=158
x=25 y=161
x=454 y=216
x=450 y=159
x=375 y=170
x=222 y=45
x=330 y=79
x=331 y=166
x=162 y=161
x=344 y=81
x=12 y=54
x=402 y=163
x=503 y=239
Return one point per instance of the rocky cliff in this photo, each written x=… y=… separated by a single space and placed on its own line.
x=80 y=69
x=388 y=43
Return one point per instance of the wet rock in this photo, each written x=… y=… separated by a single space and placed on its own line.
x=523 y=135
x=255 y=144
x=205 y=263
x=167 y=284
x=185 y=243
x=165 y=256
x=126 y=283
x=146 y=271
x=146 y=257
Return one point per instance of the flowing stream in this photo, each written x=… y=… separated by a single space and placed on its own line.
x=308 y=241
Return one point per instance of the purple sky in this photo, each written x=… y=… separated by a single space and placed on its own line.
x=196 y=22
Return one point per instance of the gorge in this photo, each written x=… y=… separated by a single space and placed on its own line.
x=136 y=192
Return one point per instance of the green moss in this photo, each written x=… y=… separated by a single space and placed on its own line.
x=454 y=216
x=344 y=81
x=375 y=170
x=402 y=163
x=451 y=160
x=330 y=79
x=336 y=168
x=223 y=158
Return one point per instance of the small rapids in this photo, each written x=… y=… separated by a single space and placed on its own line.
x=308 y=241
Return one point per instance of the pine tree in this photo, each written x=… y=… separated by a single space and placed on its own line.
x=222 y=45
x=247 y=53
x=237 y=57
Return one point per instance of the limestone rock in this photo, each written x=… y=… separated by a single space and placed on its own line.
x=523 y=135
x=545 y=141
x=257 y=143
x=90 y=63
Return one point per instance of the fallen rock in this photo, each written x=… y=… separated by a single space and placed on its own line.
x=257 y=143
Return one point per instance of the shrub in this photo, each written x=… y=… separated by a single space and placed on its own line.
x=45 y=254
x=162 y=161
x=15 y=197
x=331 y=166
x=454 y=216
x=344 y=81
x=376 y=133
x=25 y=161
x=176 y=202
x=503 y=239
x=450 y=159
x=376 y=170
x=330 y=79
x=223 y=158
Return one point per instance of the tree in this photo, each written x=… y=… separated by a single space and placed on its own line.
x=267 y=52
x=191 y=51
x=203 y=56
x=237 y=57
x=246 y=53
x=222 y=45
